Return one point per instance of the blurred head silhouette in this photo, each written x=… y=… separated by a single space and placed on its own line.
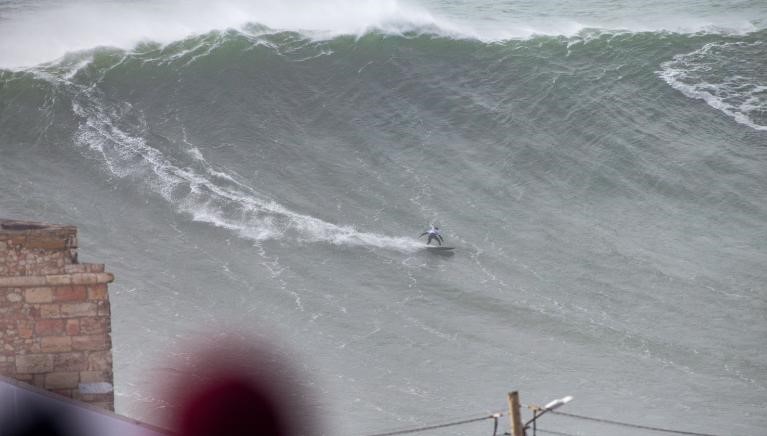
x=236 y=386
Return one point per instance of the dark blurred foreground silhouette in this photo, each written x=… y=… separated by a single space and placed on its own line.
x=233 y=386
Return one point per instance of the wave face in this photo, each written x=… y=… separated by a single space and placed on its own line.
x=281 y=97
x=605 y=187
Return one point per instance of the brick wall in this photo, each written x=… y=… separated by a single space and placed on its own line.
x=54 y=313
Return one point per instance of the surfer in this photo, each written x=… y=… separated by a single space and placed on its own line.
x=433 y=233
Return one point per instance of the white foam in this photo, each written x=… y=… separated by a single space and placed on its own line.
x=708 y=74
x=30 y=37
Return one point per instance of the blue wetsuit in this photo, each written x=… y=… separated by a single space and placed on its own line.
x=433 y=233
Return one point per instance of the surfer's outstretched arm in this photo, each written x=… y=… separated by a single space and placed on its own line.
x=424 y=233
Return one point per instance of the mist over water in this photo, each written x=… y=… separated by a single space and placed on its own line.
x=265 y=167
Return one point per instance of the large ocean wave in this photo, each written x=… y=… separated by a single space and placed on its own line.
x=133 y=109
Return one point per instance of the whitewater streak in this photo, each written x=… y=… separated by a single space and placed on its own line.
x=210 y=196
x=742 y=94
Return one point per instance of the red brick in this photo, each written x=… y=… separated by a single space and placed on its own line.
x=49 y=327
x=69 y=293
x=73 y=327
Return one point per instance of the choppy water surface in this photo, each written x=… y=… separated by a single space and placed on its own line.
x=599 y=166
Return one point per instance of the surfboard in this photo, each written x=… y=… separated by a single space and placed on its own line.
x=440 y=248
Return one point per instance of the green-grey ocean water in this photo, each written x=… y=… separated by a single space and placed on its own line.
x=599 y=166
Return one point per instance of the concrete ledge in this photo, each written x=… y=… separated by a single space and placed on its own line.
x=56 y=280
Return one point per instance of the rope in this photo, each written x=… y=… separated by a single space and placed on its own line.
x=547 y=431
x=625 y=424
x=555 y=432
x=436 y=426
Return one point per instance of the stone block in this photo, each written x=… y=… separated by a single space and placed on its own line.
x=38 y=295
x=45 y=241
x=59 y=280
x=72 y=310
x=75 y=268
x=94 y=398
x=34 y=363
x=32 y=311
x=50 y=311
x=104 y=308
x=55 y=344
x=100 y=361
x=38 y=380
x=97 y=292
x=70 y=293
x=26 y=378
x=25 y=328
x=62 y=380
x=95 y=376
x=63 y=392
x=7 y=369
x=93 y=325
x=95 y=388
x=90 y=342
x=50 y=327
x=13 y=297
x=106 y=405
x=95 y=267
x=70 y=362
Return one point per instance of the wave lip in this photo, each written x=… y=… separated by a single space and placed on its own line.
x=727 y=76
x=88 y=24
